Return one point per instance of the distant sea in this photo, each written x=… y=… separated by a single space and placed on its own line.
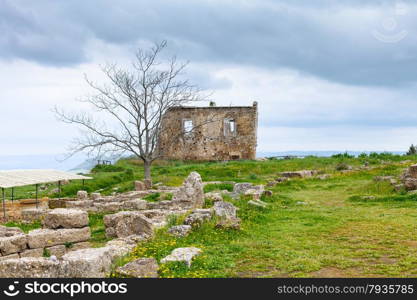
x=82 y=164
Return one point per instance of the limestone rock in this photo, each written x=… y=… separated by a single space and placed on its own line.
x=191 y=191
x=82 y=195
x=40 y=238
x=140 y=268
x=299 y=174
x=92 y=262
x=13 y=244
x=65 y=218
x=32 y=253
x=257 y=203
x=127 y=223
x=109 y=206
x=78 y=246
x=241 y=188
x=9 y=231
x=182 y=254
x=137 y=204
x=214 y=196
x=95 y=196
x=229 y=223
x=79 y=204
x=224 y=209
x=30 y=267
x=198 y=217
x=33 y=214
x=180 y=230
x=57 y=251
x=139 y=186
x=11 y=256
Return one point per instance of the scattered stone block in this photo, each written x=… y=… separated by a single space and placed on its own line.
x=33 y=214
x=198 y=217
x=140 y=268
x=78 y=246
x=32 y=253
x=127 y=223
x=214 y=196
x=57 y=203
x=82 y=204
x=9 y=231
x=82 y=195
x=30 y=267
x=92 y=262
x=40 y=238
x=191 y=192
x=57 y=251
x=229 y=223
x=95 y=196
x=13 y=244
x=257 y=203
x=137 y=204
x=65 y=218
x=139 y=186
x=109 y=207
x=241 y=188
x=11 y=256
x=224 y=209
x=180 y=230
x=185 y=255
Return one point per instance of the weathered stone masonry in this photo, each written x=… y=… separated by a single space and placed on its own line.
x=209 y=133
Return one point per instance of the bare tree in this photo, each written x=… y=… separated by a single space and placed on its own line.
x=131 y=106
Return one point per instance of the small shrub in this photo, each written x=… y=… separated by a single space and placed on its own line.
x=152 y=197
x=46 y=253
x=107 y=168
x=343 y=155
x=342 y=167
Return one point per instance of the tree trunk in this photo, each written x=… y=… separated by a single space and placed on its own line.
x=147 y=169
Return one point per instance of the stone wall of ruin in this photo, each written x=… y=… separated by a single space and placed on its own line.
x=210 y=139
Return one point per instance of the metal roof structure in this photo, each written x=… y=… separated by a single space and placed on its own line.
x=15 y=178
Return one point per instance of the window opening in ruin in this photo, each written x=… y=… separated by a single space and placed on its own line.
x=188 y=127
x=230 y=127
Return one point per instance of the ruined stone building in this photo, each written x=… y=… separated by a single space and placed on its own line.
x=209 y=133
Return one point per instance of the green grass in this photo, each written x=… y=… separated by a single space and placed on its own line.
x=311 y=228
x=98 y=230
x=26 y=227
x=345 y=226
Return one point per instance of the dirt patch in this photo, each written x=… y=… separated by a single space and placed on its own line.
x=329 y=272
x=412 y=244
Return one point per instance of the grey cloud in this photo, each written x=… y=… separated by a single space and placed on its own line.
x=306 y=35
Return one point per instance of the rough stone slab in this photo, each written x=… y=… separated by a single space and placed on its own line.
x=182 y=254
x=30 y=267
x=137 y=204
x=241 y=188
x=80 y=204
x=191 y=191
x=79 y=246
x=139 y=186
x=57 y=251
x=92 y=262
x=109 y=206
x=127 y=223
x=13 y=244
x=180 y=230
x=229 y=223
x=40 y=238
x=82 y=195
x=257 y=203
x=57 y=203
x=140 y=268
x=224 y=209
x=65 y=218
x=33 y=214
x=11 y=256
x=9 y=231
x=95 y=196
x=32 y=253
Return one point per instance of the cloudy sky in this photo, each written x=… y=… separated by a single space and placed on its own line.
x=328 y=75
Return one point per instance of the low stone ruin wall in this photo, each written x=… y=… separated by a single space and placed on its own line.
x=63 y=230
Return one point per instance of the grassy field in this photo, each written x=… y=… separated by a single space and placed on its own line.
x=311 y=227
